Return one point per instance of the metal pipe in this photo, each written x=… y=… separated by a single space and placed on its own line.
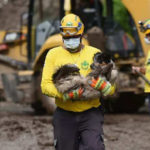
x=143 y=77
x=109 y=4
x=61 y=13
x=99 y=22
x=29 y=39
x=41 y=10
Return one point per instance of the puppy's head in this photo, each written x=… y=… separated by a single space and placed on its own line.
x=101 y=59
x=65 y=71
x=102 y=64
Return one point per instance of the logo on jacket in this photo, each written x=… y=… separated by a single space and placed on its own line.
x=84 y=65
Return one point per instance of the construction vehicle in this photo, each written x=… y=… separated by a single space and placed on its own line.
x=13 y=58
x=103 y=32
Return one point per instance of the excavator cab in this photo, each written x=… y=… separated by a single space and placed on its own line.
x=116 y=40
x=122 y=37
x=118 y=35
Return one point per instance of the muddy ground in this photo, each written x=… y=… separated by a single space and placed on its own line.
x=21 y=129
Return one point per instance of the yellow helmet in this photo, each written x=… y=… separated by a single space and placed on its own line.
x=145 y=26
x=71 y=25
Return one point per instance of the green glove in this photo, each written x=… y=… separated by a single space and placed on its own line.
x=101 y=85
x=73 y=95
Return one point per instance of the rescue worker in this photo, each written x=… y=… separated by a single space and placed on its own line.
x=145 y=28
x=77 y=123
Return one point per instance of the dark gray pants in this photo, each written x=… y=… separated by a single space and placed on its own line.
x=78 y=131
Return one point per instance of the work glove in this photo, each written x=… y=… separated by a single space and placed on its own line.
x=102 y=85
x=73 y=95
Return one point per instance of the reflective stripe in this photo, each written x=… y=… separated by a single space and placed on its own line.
x=71 y=94
x=106 y=89
x=93 y=84
x=80 y=91
x=103 y=86
x=75 y=93
x=65 y=97
x=99 y=83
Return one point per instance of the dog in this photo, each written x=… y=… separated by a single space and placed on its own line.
x=68 y=77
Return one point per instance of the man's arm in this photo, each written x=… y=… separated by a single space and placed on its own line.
x=47 y=85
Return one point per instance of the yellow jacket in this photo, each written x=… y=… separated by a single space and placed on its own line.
x=147 y=74
x=58 y=57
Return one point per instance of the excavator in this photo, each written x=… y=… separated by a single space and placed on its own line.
x=110 y=25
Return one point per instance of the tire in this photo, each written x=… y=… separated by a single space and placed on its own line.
x=125 y=103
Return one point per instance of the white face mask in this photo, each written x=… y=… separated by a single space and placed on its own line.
x=147 y=41
x=72 y=43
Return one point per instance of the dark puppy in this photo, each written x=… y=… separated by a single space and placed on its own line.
x=104 y=66
x=68 y=78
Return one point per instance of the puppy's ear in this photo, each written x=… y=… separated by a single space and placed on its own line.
x=96 y=60
x=96 y=57
x=102 y=57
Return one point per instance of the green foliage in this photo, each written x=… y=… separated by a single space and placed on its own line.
x=120 y=13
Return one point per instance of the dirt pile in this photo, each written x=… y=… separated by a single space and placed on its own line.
x=26 y=133
x=127 y=132
x=21 y=129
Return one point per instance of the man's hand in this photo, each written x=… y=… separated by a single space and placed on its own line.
x=138 y=69
x=101 y=85
x=73 y=95
x=135 y=69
